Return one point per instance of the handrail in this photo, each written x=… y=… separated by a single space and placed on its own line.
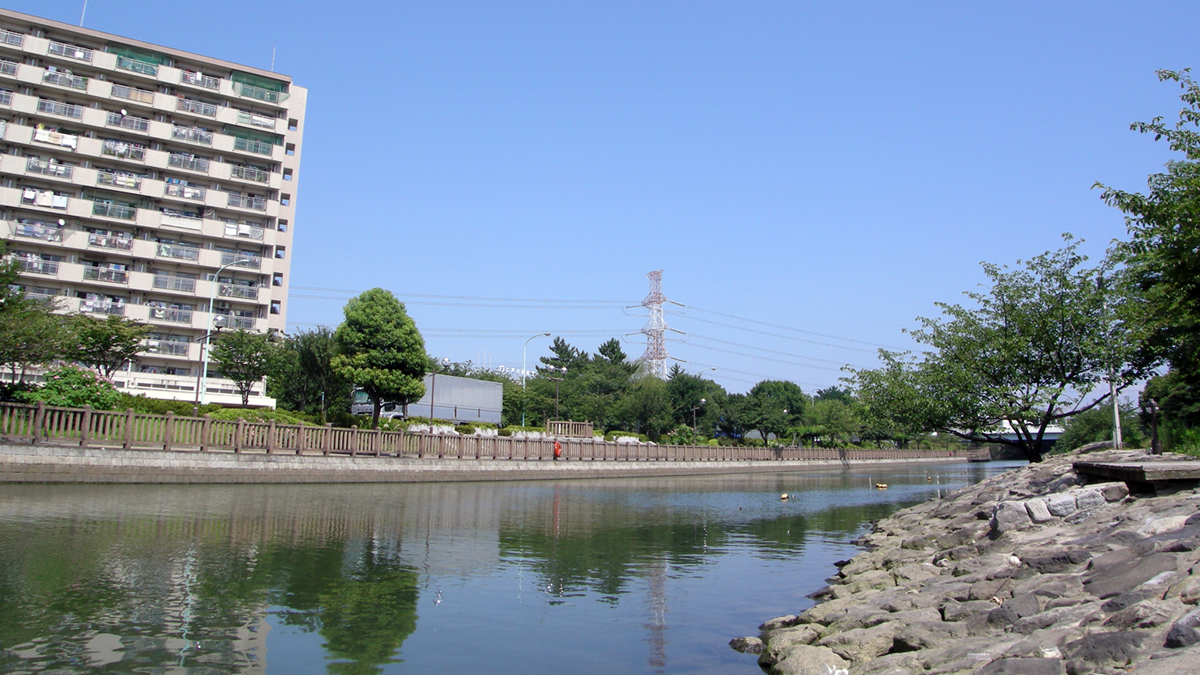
x=85 y=427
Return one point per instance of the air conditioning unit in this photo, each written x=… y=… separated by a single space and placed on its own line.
x=221 y=304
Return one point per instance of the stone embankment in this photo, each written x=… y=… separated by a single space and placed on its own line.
x=1032 y=572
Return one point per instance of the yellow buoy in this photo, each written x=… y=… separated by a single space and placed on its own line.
x=881 y=486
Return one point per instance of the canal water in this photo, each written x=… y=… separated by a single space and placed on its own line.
x=650 y=575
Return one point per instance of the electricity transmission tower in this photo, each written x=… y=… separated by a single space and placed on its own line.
x=655 y=357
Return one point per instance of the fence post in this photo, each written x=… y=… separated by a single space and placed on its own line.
x=354 y=441
x=326 y=438
x=205 y=432
x=128 y=428
x=377 y=441
x=39 y=418
x=239 y=436
x=169 y=431
x=271 y=438
x=85 y=426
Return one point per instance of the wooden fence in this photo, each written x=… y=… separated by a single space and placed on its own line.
x=84 y=427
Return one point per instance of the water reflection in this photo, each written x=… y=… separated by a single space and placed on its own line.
x=648 y=575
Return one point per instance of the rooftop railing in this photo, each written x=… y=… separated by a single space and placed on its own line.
x=46 y=167
x=124 y=180
x=251 y=145
x=132 y=94
x=247 y=202
x=70 y=51
x=124 y=150
x=249 y=173
x=178 y=251
x=175 y=283
x=64 y=80
x=106 y=274
x=59 y=108
x=197 y=107
x=126 y=63
x=170 y=314
x=237 y=291
x=181 y=161
x=111 y=210
x=39 y=231
x=128 y=122
x=117 y=242
x=192 y=134
x=200 y=79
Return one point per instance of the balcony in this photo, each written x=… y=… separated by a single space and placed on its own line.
x=121 y=180
x=47 y=198
x=243 y=230
x=70 y=51
x=105 y=274
x=38 y=230
x=36 y=266
x=131 y=94
x=124 y=150
x=178 y=251
x=126 y=63
x=64 y=79
x=10 y=38
x=249 y=173
x=5 y=97
x=110 y=210
x=55 y=138
x=236 y=322
x=236 y=291
x=128 y=122
x=8 y=67
x=48 y=167
x=250 y=145
x=200 y=80
x=247 y=202
x=185 y=191
x=246 y=260
x=167 y=347
x=251 y=91
x=182 y=161
x=102 y=306
x=116 y=242
x=196 y=107
x=171 y=314
x=192 y=134
x=175 y=283
x=59 y=108
x=176 y=218
x=253 y=120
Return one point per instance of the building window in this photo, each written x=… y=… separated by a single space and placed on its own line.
x=287 y=174
x=283 y=225
x=293 y=125
x=277 y=280
x=276 y=307
x=280 y=252
x=290 y=149
x=285 y=200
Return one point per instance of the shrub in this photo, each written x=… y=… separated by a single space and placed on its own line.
x=73 y=387
x=258 y=415
x=614 y=435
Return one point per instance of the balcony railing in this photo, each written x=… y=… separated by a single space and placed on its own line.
x=106 y=306
x=123 y=180
x=168 y=347
x=129 y=93
x=111 y=210
x=256 y=120
x=246 y=260
x=117 y=242
x=180 y=219
x=185 y=191
x=8 y=68
x=46 y=198
x=39 y=231
x=197 y=107
x=251 y=91
x=47 y=168
x=247 y=202
x=49 y=267
x=236 y=322
x=64 y=80
x=126 y=63
x=124 y=150
x=243 y=230
x=10 y=38
x=175 y=283
x=5 y=97
x=178 y=251
x=251 y=145
x=106 y=274
x=128 y=122
x=192 y=134
x=70 y=51
x=237 y=291
x=171 y=314
x=249 y=173
x=180 y=161
x=60 y=108
x=200 y=79
x=56 y=138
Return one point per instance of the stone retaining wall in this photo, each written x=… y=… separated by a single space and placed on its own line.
x=47 y=464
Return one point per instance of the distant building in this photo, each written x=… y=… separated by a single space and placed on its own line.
x=132 y=173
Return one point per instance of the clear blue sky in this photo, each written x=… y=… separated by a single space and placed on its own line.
x=833 y=168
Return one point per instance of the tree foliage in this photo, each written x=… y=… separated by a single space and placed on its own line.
x=74 y=387
x=244 y=357
x=106 y=344
x=380 y=350
x=302 y=376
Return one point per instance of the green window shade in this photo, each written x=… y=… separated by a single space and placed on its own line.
x=260 y=82
x=251 y=135
x=138 y=55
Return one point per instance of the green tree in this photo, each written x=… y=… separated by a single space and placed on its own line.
x=1024 y=357
x=773 y=407
x=30 y=333
x=244 y=357
x=106 y=344
x=381 y=350
x=833 y=420
x=1095 y=425
x=646 y=408
x=302 y=375
x=74 y=387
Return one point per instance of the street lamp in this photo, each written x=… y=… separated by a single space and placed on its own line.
x=524 y=351
x=556 y=380
x=212 y=296
x=702 y=402
x=433 y=385
x=219 y=323
x=1150 y=407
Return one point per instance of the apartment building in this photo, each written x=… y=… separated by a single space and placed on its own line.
x=141 y=181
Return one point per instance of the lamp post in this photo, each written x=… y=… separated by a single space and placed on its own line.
x=219 y=323
x=1150 y=407
x=433 y=385
x=524 y=351
x=556 y=380
x=212 y=296
x=702 y=402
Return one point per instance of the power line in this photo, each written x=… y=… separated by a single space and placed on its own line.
x=617 y=303
x=789 y=328
x=776 y=335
